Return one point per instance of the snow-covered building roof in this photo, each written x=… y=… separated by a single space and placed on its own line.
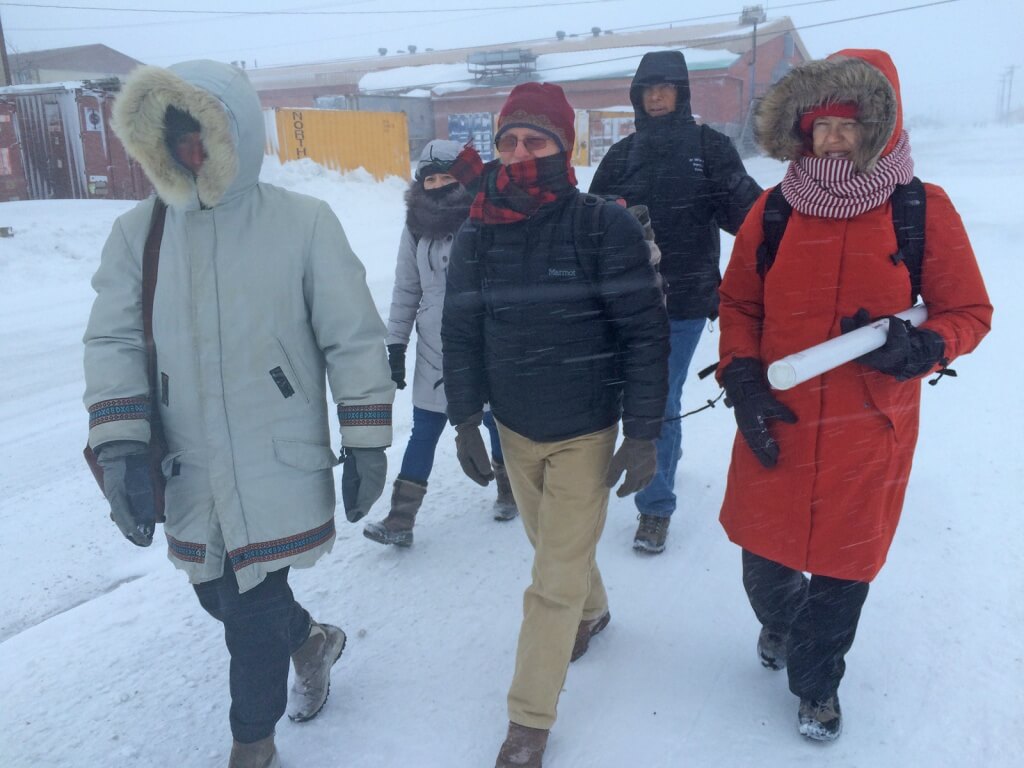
x=347 y=74
x=599 y=64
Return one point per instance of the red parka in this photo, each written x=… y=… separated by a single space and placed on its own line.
x=832 y=503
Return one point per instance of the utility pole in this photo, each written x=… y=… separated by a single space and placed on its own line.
x=1009 y=91
x=5 y=75
x=752 y=14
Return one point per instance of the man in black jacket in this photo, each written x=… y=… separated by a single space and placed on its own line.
x=563 y=339
x=693 y=182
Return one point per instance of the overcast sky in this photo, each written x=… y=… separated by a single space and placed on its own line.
x=953 y=57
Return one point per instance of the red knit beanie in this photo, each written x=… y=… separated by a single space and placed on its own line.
x=845 y=109
x=543 y=107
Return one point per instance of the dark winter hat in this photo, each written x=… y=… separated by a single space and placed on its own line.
x=543 y=107
x=178 y=123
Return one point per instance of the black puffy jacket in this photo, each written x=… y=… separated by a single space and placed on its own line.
x=692 y=180
x=560 y=343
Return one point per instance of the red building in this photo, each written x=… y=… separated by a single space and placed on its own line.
x=56 y=143
x=730 y=63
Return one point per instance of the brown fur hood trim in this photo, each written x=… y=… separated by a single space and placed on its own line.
x=836 y=79
x=436 y=217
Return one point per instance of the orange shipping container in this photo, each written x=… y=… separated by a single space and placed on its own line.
x=344 y=140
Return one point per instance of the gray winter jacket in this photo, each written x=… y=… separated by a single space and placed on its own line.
x=418 y=298
x=259 y=297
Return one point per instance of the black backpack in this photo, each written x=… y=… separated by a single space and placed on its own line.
x=587 y=232
x=908 y=221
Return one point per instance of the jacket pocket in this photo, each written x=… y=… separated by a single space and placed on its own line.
x=170 y=465
x=896 y=402
x=307 y=456
x=284 y=375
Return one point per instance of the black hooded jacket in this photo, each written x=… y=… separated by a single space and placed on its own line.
x=692 y=180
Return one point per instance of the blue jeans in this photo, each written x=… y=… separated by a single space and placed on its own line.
x=427 y=427
x=659 y=499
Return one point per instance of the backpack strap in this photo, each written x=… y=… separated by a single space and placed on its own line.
x=773 y=223
x=587 y=232
x=908 y=220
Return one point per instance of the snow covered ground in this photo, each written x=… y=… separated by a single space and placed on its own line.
x=106 y=658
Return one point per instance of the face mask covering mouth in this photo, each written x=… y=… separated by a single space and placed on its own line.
x=439 y=192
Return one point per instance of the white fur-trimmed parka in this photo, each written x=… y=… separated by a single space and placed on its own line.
x=259 y=302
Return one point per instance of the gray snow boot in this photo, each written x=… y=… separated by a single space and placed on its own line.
x=396 y=528
x=523 y=747
x=313 y=662
x=258 y=754
x=505 y=505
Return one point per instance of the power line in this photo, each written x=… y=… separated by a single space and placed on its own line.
x=717 y=16
x=529 y=41
x=705 y=41
x=242 y=14
x=203 y=12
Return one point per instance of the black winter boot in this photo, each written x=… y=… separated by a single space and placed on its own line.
x=771 y=649
x=396 y=528
x=505 y=505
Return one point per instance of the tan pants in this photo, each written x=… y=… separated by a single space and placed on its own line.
x=559 y=489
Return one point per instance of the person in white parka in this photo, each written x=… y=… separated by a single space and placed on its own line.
x=436 y=205
x=259 y=303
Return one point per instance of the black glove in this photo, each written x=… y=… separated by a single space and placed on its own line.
x=363 y=473
x=638 y=459
x=754 y=406
x=396 y=359
x=907 y=352
x=128 y=486
x=469 y=447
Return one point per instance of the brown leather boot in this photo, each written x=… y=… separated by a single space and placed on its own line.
x=258 y=754
x=651 y=534
x=505 y=506
x=587 y=630
x=523 y=747
x=396 y=528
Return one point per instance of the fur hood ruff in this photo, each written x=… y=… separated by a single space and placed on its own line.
x=227 y=108
x=865 y=78
x=436 y=217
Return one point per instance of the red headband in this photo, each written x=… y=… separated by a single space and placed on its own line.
x=844 y=109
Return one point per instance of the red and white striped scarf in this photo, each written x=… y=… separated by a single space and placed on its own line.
x=830 y=188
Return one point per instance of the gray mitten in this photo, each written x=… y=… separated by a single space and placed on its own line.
x=471 y=451
x=638 y=459
x=128 y=486
x=363 y=473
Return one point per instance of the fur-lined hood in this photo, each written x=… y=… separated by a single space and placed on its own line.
x=866 y=78
x=436 y=216
x=227 y=108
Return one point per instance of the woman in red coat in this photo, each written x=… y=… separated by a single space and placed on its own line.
x=819 y=471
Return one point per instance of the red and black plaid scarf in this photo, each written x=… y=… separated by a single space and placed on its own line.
x=505 y=194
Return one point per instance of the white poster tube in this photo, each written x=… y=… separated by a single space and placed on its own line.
x=800 y=366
